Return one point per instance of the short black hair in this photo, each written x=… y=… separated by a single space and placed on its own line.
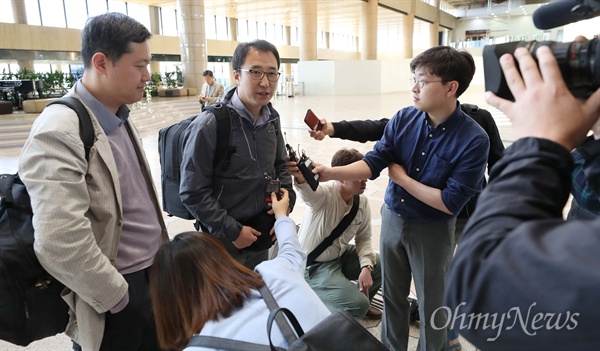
x=345 y=157
x=207 y=73
x=239 y=55
x=447 y=63
x=110 y=34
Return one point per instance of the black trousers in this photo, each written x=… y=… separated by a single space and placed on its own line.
x=133 y=328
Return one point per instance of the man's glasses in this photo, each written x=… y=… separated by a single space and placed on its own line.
x=258 y=75
x=421 y=82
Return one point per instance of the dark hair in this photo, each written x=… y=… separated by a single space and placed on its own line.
x=194 y=280
x=207 y=73
x=447 y=63
x=239 y=55
x=110 y=34
x=345 y=156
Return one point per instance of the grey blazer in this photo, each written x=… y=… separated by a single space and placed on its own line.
x=78 y=216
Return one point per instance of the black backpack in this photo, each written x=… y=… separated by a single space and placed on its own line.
x=171 y=142
x=31 y=307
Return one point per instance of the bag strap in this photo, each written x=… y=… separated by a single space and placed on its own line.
x=335 y=233
x=86 y=129
x=286 y=330
x=217 y=343
x=223 y=149
x=235 y=345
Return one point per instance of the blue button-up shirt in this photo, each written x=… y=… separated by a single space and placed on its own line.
x=451 y=157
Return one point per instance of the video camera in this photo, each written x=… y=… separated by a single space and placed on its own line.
x=579 y=62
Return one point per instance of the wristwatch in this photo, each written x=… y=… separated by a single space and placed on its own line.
x=369 y=267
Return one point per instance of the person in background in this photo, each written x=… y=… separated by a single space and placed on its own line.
x=332 y=272
x=436 y=157
x=98 y=223
x=228 y=200
x=197 y=288
x=212 y=91
x=517 y=253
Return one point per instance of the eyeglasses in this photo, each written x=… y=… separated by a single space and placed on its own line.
x=421 y=82
x=258 y=75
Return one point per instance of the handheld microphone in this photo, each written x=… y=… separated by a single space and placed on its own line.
x=562 y=12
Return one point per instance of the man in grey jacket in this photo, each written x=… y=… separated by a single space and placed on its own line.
x=226 y=198
x=97 y=221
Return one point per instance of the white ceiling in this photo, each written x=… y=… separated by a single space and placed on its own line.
x=340 y=16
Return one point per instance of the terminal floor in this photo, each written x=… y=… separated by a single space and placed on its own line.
x=150 y=116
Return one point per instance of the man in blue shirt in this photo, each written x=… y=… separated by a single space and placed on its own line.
x=436 y=156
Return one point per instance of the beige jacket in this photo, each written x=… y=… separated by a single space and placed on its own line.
x=215 y=94
x=78 y=216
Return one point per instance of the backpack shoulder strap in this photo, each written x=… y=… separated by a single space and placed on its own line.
x=227 y=344
x=86 y=129
x=469 y=109
x=223 y=151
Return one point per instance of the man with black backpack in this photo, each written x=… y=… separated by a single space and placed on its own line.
x=229 y=199
x=97 y=220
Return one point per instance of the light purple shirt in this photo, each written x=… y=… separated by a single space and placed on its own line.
x=141 y=232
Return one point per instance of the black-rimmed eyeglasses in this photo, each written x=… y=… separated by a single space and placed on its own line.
x=258 y=75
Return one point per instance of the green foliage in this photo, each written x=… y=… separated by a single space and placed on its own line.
x=24 y=74
x=153 y=84
x=173 y=79
x=179 y=75
x=6 y=75
x=170 y=80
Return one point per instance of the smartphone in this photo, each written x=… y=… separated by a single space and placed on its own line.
x=312 y=121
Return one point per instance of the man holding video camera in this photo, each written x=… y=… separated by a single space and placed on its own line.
x=518 y=258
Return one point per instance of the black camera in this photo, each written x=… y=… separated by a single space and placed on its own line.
x=305 y=166
x=579 y=63
x=273 y=185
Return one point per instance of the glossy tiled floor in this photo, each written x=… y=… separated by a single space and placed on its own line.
x=154 y=115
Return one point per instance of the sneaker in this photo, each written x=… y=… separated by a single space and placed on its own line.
x=373 y=313
x=454 y=347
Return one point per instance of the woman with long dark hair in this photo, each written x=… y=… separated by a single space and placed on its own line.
x=197 y=288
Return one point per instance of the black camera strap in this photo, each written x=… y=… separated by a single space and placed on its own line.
x=335 y=233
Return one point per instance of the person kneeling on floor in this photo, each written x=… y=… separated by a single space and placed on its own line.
x=332 y=266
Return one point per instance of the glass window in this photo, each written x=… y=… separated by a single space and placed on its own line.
x=6 y=15
x=294 y=38
x=211 y=28
x=321 y=39
x=242 y=30
x=168 y=22
x=96 y=7
x=278 y=36
x=33 y=12
x=117 y=6
x=389 y=30
x=252 y=30
x=76 y=13
x=261 y=30
x=421 y=35
x=222 y=28
x=42 y=68
x=140 y=12
x=53 y=13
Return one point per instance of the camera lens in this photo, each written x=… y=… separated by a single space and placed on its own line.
x=579 y=63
